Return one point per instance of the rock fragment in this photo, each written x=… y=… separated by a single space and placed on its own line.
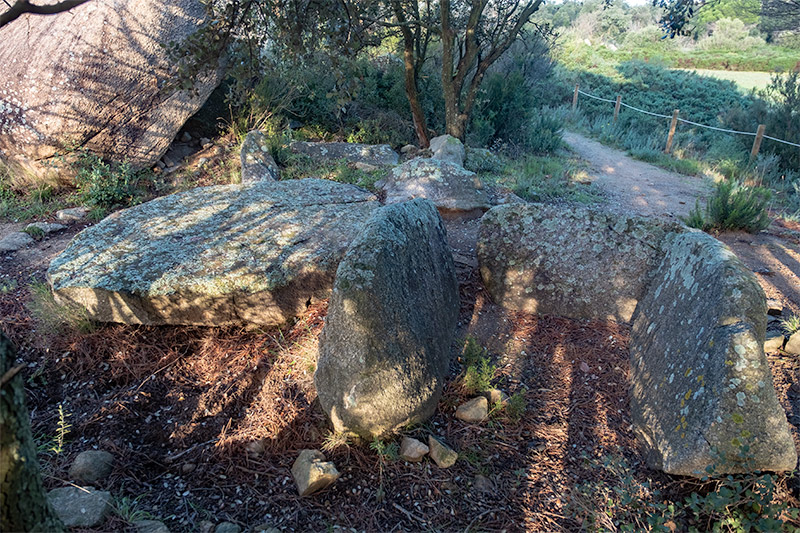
x=442 y=455
x=80 y=507
x=474 y=411
x=91 y=466
x=312 y=473
x=412 y=450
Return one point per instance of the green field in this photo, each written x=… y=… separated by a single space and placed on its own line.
x=745 y=80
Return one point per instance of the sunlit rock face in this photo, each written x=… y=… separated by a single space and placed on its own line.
x=453 y=190
x=702 y=390
x=96 y=78
x=702 y=387
x=226 y=254
x=385 y=348
x=574 y=262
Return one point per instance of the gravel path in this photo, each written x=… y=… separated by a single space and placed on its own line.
x=634 y=186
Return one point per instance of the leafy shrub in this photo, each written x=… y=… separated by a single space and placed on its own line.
x=730 y=34
x=545 y=133
x=105 y=185
x=478 y=376
x=733 y=206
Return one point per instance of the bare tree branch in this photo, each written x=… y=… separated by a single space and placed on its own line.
x=21 y=7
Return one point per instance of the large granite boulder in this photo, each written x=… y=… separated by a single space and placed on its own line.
x=573 y=262
x=385 y=348
x=217 y=255
x=257 y=161
x=97 y=78
x=453 y=190
x=371 y=154
x=448 y=148
x=702 y=387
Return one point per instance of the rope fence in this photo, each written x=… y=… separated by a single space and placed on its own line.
x=618 y=103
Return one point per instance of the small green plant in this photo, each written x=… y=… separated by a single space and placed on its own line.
x=472 y=352
x=35 y=232
x=515 y=407
x=127 y=509
x=55 y=444
x=386 y=451
x=733 y=206
x=103 y=185
x=53 y=318
x=479 y=368
x=791 y=324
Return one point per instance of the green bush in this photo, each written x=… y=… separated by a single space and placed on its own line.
x=733 y=206
x=545 y=133
x=104 y=185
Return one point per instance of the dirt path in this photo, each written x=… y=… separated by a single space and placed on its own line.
x=641 y=188
x=634 y=186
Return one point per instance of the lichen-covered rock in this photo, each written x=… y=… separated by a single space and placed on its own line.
x=448 y=148
x=574 y=262
x=79 y=506
x=453 y=190
x=257 y=161
x=385 y=348
x=372 y=154
x=97 y=78
x=442 y=455
x=701 y=383
x=217 y=255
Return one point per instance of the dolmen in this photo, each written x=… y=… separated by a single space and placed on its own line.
x=702 y=390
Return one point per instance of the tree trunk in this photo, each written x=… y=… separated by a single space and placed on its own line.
x=24 y=502
x=417 y=113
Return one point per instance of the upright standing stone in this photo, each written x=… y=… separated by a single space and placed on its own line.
x=385 y=348
x=702 y=387
x=257 y=161
x=448 y=148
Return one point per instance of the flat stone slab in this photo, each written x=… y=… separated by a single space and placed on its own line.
x=453 y=190
x=702 y=387
x=226 y=254
x=372 y=154
x=568 y=261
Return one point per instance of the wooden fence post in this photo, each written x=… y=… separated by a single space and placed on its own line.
x=672 y=127
x=616 y=107
x=575 y=98
x=757 y=141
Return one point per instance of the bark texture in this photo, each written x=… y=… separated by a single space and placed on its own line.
x=24 y=502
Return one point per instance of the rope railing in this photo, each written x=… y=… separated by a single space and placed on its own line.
x=618 y=103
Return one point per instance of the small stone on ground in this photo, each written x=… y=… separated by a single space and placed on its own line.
x=412 y=450
x=312 y=473
x=474 y=411
x=73 y=214
x=442 y=455
x=228 y=527
x=15 y=241
x=91 y=466
x=150 y=526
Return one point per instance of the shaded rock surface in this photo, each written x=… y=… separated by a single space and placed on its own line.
x=372 y=154
x=442 y=455
x=312 y=473
x=72 y=214
x=257 y=161
x=14 y=241
x=700 y=379
x=91 y=466
x=448 y=148
x=385 y=347
x=214 y=255
x=80 y=507
x=150 y=526
x=45 y=227
x=97 y=78
x=573 y=262
x=453 y=190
